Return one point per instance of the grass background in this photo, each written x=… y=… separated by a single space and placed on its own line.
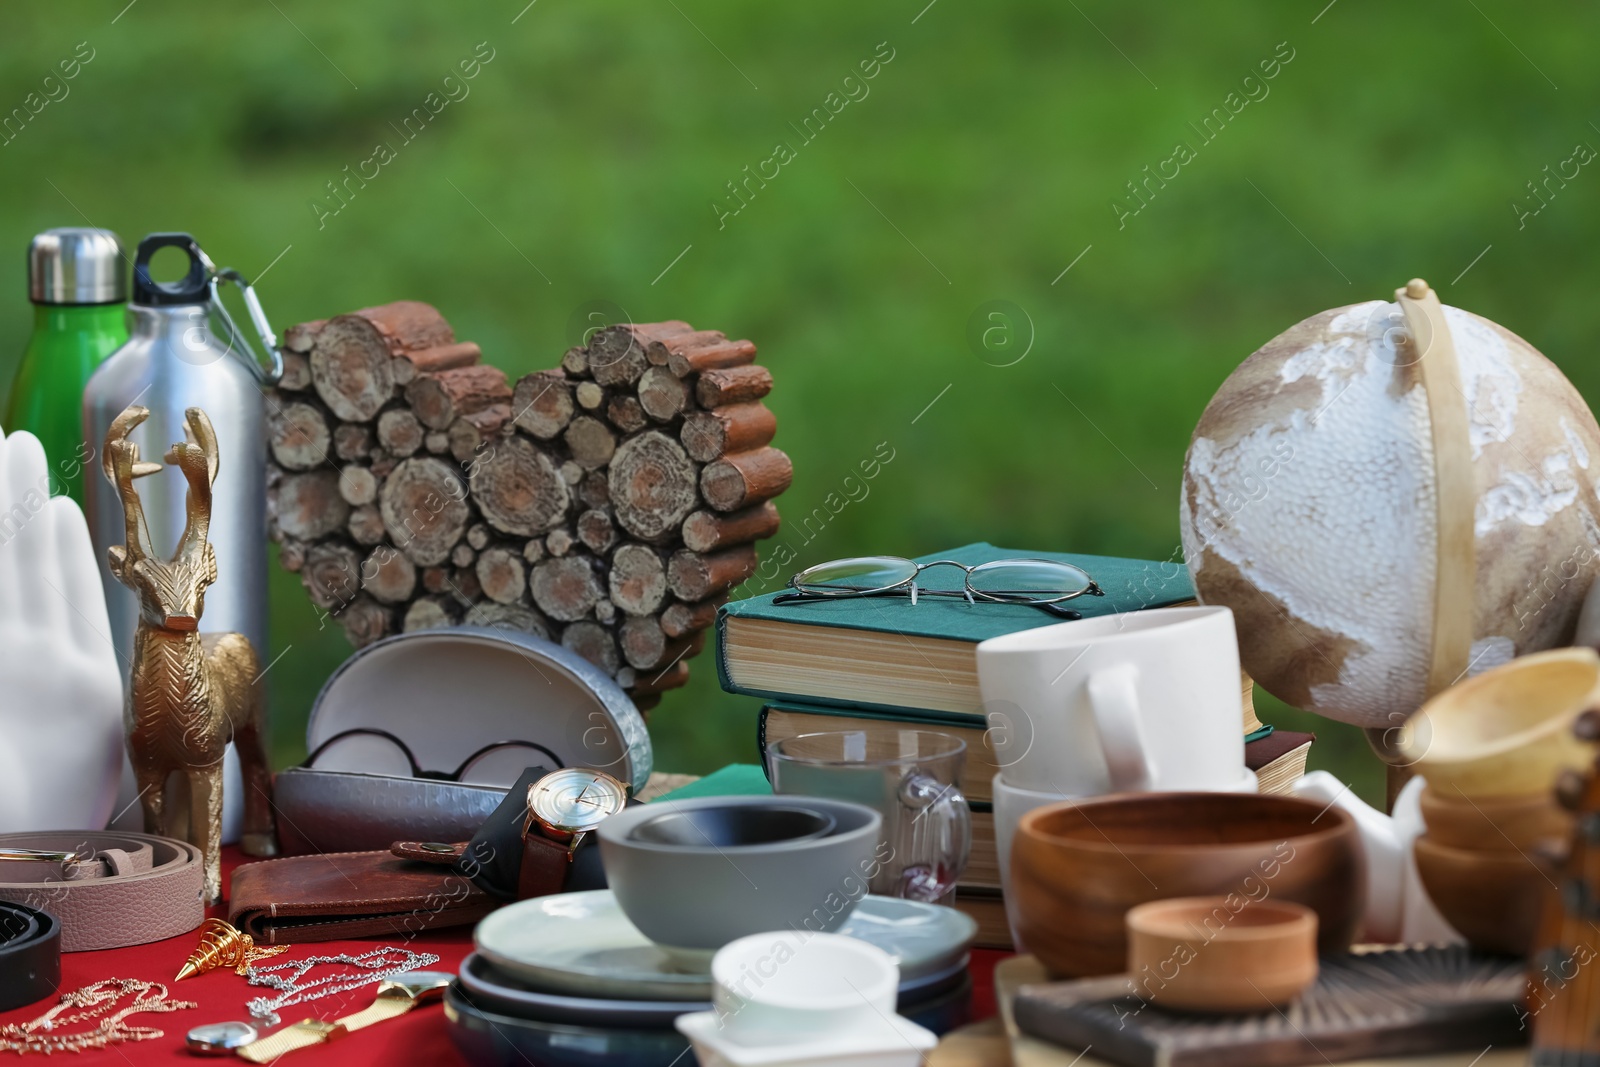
x=984 y=160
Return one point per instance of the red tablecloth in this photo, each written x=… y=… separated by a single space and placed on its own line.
x=420 y=1037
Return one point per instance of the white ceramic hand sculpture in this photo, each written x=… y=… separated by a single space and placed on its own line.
x=61 y=743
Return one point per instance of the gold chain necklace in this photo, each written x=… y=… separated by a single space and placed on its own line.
x=83 y=1005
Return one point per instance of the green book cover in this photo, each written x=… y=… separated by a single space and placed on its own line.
x=1129 y=584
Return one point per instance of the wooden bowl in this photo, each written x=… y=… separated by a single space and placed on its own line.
x=1214 y=954
x=1493 y=823
x=1506 y=731
x=1493 y=899
x=1077 y=867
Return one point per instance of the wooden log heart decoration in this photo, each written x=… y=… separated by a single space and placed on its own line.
x=609 y=503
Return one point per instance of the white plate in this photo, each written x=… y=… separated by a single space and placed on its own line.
x=582 y=944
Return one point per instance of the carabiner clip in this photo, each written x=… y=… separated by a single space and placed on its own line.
x=268 y=376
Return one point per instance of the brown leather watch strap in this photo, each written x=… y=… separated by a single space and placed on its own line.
x=126 y=889
x=545 y=866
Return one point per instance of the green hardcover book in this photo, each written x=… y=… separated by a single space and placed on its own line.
x=885 y=652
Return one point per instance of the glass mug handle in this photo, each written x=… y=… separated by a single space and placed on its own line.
x=937 y=838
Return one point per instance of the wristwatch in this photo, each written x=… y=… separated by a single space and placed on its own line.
x=396 y=996
x=563 y=808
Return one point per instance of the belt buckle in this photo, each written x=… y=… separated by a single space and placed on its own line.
x=67 y=859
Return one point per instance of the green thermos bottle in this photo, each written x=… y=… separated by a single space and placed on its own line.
x=78 y=283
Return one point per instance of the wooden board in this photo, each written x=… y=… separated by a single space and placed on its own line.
x=976 y=1046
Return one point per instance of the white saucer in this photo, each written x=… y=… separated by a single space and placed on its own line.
x=582 y=944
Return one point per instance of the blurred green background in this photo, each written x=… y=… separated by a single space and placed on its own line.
x=584 y=164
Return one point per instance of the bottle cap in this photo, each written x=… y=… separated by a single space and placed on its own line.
x=77 y=265
x=192 y=288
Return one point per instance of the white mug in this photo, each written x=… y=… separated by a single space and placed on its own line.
x=1146 y=700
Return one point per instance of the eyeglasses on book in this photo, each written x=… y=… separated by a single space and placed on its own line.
x=1040 y=583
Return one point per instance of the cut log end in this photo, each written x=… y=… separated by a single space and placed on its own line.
x=746 y=478
x=694 y=577
x=424 y=508
x=638 y=579
x=564 y=588
x=652 y=485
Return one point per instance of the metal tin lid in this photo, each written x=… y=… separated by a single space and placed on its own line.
x=77 y=265
x=450 y=692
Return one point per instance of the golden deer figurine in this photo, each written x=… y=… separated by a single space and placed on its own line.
x=189 y=693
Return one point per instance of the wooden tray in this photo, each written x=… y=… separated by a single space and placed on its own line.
x=992 y=1044
x=1393 y=1002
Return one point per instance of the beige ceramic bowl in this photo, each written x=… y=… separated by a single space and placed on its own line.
x=1507 y=731
x=1200 y=954
x=1494 y=823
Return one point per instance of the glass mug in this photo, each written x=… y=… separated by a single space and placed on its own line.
x=909 y=776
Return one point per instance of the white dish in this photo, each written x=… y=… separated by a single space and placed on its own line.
x=784 y=986
x=893 y=1042
x=583 y=945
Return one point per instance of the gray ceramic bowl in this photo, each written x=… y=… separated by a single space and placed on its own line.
x=734 y=826
x=692 y=900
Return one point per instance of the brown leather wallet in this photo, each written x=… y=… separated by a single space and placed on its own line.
x=338 y=895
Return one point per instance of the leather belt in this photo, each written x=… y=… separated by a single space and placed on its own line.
x=30 y=955
x=107 y=889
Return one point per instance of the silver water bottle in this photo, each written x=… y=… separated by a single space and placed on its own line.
x=174 y=361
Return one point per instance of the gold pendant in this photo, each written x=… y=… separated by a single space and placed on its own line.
x=224 y=945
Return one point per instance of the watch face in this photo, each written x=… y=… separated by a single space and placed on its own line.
x=220 y=1039
x=576 y=799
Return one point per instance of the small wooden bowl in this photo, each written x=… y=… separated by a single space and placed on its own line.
x=1221 y=954
x=1077 y=867
x=1493 y=899
x=1493 y=823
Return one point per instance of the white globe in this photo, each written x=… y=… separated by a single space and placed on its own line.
x=1309 y=508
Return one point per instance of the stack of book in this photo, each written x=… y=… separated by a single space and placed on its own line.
x=881 y=664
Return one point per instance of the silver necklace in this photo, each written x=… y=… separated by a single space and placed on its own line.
x=379 y=963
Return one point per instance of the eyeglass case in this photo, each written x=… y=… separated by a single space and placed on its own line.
x=446 y=694
x=343 y=811
x=449 y=692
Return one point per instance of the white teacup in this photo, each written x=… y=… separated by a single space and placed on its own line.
x=1141 y=701
x=787 y=983
x=1012 y=802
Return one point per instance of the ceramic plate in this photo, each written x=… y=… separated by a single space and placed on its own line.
x=489 y=1039
x=490 y=990
x=582 y=944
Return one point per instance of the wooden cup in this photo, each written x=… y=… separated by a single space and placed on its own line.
x=1506 y=731
x=1493 y=899
x=1493 y=823
x=1217 y=954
